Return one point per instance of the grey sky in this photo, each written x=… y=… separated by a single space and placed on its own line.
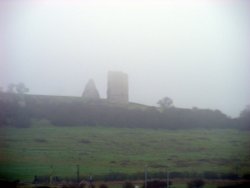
x=195 y=52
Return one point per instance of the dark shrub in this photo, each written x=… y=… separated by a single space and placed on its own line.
x=128 y=185
x=210 y=175
x=103 y=186
x=9 y=184
x=41 y=179
x=157 y=184
x=246 y=176
x=197 y=183
x=239 y=185
x=75 y=185
x=230 y=176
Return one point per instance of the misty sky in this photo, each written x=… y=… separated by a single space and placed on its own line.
x=195 y=52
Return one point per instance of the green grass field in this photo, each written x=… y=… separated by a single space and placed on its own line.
x=26 y=152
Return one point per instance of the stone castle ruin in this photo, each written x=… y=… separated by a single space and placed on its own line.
x=117 y=88
x=90 y=91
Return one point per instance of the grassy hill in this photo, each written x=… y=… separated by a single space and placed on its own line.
x=17 y=110
x=43 y=149
x=50 y=135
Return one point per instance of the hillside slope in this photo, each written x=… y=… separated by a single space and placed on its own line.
x=18 y=110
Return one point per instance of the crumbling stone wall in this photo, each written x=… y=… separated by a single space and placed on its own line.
x=90 y=91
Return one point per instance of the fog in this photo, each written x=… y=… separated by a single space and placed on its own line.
x=195 y=52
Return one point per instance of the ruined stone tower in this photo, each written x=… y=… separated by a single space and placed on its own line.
x=90 y=92
x=117 y=89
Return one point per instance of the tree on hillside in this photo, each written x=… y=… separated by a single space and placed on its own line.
x=11 y=88
x=244 y=118
x=19 y=88
x=246 y=112
x=165 y=103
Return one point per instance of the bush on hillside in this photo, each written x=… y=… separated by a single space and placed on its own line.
x=128 y=185
x=196 y=183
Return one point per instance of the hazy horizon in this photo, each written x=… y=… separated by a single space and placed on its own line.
x=196 y=53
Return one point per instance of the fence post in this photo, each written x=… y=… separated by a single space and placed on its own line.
x=77 y=173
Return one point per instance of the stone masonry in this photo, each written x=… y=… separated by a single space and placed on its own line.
x=117 y=88
x=90 y=91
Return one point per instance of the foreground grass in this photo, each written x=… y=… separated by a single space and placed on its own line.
x=45 y=150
